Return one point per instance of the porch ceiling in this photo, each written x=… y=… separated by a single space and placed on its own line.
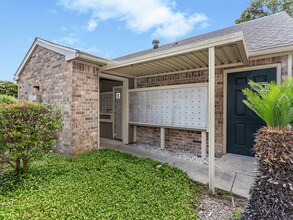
x=230 y=49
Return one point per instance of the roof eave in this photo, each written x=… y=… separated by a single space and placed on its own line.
x=67 y=52
x=270 y=51
x=227 y=39
x=93 y=59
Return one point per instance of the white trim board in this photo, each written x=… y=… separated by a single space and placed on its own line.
x=170 y=87
x=225 y=84
x=267 y=51
x=167 y=126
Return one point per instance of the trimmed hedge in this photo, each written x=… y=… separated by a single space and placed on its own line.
x=9 y=88
x=27 y=130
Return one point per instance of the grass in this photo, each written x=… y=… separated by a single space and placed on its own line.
x=99 y=185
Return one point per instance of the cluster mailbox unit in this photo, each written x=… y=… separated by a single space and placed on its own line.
x=182 y=106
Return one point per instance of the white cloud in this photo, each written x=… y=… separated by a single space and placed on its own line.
x=68 y=41
x=91 y=25
x=139 y=16
x=179 y=24
x=92 y=49
x=75 y=42
x=52 y=11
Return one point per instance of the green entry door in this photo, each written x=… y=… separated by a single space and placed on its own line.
x=242 y=123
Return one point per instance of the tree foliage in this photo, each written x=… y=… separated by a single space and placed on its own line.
x=271 y=102
x=261 y=8
x=7 y=99
x=8 y=88
x=27 y=130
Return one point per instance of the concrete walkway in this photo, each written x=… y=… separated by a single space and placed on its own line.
x=234 y=173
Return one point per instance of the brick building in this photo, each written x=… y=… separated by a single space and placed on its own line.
x=183 y=95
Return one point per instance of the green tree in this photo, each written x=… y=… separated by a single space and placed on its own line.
x=8 y=88
x=261 y=8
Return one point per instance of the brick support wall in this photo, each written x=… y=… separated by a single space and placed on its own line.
x=74 y=87
x=52 y=74
x=188 y=140
x=85 y=108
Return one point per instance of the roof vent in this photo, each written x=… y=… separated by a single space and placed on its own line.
x=155 y=44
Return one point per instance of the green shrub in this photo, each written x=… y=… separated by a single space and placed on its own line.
x=7 y=99
x=27 y=130
x=8 y=88
x=272 y=194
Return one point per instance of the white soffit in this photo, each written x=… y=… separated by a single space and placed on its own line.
x=230 y=49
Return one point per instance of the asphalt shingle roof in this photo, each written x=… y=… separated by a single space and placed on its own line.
x=266 y=32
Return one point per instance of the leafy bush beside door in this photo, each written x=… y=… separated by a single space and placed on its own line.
x=27 y=130
x=272 y=196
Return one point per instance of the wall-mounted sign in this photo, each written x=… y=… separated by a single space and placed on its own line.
x=118 y=95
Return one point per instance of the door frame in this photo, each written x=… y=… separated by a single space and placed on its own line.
x=278 y=67
x=114 y=105
x=125 y=106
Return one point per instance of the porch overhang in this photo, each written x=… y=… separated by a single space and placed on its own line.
x=229 y=50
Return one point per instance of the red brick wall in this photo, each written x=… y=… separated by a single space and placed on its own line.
x=85 y=107
x=74 y=87
x=174 y=79
x=52 y=74
x=186 y=140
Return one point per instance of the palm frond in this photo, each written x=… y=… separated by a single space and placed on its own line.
x=271 y=102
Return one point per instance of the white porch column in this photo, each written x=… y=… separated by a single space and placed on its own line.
x=125 y=113
x=290 y=65
x=162 y=138
x=211 y=125
x=134 y=127
x=203 y=144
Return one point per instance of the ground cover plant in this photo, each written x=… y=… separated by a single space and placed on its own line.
x=99 y=185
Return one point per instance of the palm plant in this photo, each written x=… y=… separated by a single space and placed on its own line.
x=271 y=102
x=272 y=195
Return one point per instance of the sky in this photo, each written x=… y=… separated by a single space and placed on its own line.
x=106 y=28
